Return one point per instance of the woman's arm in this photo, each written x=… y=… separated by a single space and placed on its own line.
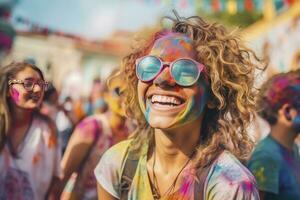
x=103 y=194
x=76 y=150
x=55 y=189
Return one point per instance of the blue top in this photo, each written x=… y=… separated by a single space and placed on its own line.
x=276 y=169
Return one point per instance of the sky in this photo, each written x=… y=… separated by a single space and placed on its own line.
x=97 y=19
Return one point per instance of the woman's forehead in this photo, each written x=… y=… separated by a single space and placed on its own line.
x=173 y=46
x=28 y=73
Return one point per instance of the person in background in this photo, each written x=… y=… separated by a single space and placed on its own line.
x=29 y=150
x=76 y=107
x=58 y=114
x=95 y=102
x=295 y=62
x=91 y=137
x=275 y=161
x=190 y=90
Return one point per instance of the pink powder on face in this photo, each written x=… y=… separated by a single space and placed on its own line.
x=15 y=95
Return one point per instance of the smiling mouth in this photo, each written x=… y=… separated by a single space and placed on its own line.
x=166 y=101
x=35 y=98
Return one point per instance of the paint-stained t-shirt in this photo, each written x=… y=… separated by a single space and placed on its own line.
x=277 y=170
x=228 y=178
x=28 y=176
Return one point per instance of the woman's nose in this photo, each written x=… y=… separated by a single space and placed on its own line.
x=164 y=78
x=36 y=87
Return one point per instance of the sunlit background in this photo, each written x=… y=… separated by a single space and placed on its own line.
x=75 y=41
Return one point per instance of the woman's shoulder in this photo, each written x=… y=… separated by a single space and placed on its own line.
x=87 y=121
x=43 y=122
x=44 y=126
x=109 y=169
x=89 y=127
x=229 y=167
x=118 y=149
x=115 y=155
x=229 y=178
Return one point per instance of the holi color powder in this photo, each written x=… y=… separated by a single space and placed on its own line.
x=147 y=114
x=283 y=89
x=15 y=95
x=89 y=127
x=178 y=46
x=195 y=106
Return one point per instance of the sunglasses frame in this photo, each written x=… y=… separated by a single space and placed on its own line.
x=200 y=66
x=44 y=86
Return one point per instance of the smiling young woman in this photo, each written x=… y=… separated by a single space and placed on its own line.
x=29 y=151
x=190 y=90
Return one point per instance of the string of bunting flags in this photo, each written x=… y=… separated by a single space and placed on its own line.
x=208 y=6
x=230 y=6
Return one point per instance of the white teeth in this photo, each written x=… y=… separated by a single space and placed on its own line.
x=165 y=99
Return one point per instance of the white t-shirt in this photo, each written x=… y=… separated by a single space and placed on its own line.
x=228 y=179
x=28 y=176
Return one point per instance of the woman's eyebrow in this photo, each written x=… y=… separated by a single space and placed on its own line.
x=31 y=79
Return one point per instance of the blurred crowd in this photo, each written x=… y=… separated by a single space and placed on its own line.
x=70 y=139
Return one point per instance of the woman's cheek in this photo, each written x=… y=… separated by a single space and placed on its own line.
x=142 y=96
x=194 y=109
x=14 y=94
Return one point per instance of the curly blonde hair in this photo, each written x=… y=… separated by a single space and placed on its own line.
x=231 y=69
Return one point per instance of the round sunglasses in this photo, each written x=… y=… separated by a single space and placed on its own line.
x=184 y=71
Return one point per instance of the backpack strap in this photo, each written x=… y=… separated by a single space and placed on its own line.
x=129 y=169
x=199 y=185
x=127 y=177
x=202 y=174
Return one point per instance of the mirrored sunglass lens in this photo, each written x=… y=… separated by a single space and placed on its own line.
x=185 y=72
x=148 y=68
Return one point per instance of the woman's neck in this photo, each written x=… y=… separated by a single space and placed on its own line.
x=21 y=116
x=20 y=124
x=177 y=146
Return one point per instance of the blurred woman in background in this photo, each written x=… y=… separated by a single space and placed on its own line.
x=57 y=112
x=29 y=151
x=91 y=137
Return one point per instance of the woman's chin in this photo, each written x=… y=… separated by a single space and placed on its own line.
x=161 y=122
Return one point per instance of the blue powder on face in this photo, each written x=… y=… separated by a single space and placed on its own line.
x=147 y=111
